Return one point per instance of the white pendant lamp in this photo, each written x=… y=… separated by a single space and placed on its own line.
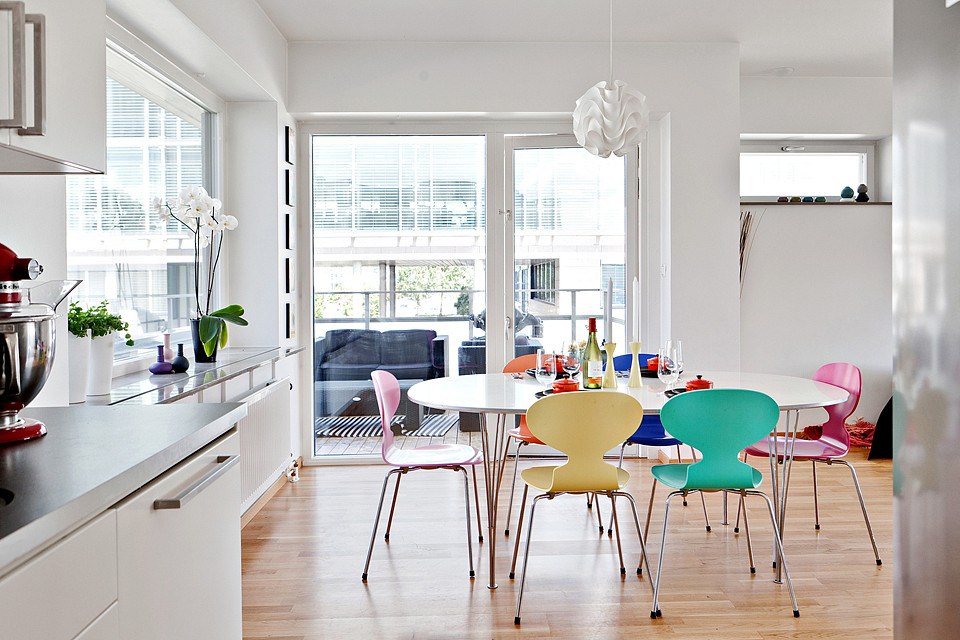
x=610 y=117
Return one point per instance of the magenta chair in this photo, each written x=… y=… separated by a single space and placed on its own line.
x=454 y=457
x=834 y=444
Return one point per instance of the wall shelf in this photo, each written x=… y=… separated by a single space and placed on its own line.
x=754 y=203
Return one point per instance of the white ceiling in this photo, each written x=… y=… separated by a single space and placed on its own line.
x=815 y=37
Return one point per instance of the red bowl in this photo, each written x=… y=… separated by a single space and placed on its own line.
x=652 y=363
x=561 y=386
x=699 y=383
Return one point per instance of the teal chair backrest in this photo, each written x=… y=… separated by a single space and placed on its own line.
x=720 y=423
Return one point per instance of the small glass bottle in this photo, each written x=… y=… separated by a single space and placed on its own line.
x=592 y=360
x=180 y=362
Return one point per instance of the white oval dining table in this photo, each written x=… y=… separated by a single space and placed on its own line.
x=503 y=394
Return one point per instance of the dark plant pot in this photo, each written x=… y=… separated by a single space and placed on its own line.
x=199 y=355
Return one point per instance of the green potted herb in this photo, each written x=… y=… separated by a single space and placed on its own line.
x=91 y=345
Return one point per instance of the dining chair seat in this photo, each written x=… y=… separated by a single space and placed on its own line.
x=518 y=434
x=435 y=455
x=676 y=476
x=802 y=449
x=542 y=477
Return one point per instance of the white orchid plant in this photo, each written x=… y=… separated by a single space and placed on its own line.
x=201 y=214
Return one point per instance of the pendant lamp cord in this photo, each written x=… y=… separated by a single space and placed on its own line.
x=611 y=43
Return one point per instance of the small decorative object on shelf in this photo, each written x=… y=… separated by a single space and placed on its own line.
x=847 y=194
x=783 y=199
x=160 y=366
x=807 y=199
x=795 y=199
x=180 y=362
x=636 y=378
x=167 y=351
x=200 y=214
x=610 y=374
x=820 y=199
x=862 y=194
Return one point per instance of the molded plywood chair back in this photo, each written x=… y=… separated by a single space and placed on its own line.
x=848 y=377
x=719 y=423
x=387 y=390
x=584 y=425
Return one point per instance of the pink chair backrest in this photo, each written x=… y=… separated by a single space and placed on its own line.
x=387 y=389
x=846 y=376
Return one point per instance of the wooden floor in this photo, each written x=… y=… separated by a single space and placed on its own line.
x=304 y=552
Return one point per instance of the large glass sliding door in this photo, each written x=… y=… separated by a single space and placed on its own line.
x=409 y=277
x=399 y=277
x=569 y=240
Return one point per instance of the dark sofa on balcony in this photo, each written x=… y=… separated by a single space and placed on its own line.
x=344 y=359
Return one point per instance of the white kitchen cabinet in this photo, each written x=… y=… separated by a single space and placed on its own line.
x=59 y=593
x=178 y=541
x=106 y=627
x=75 y=87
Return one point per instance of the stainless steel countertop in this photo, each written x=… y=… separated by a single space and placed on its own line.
x=91 y=458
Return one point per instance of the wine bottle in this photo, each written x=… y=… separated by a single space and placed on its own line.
x=592 y=360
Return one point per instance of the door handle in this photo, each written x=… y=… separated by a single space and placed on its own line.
x=39 y=76
x=223 y=464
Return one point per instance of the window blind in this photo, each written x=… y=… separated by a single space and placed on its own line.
x=398 y=183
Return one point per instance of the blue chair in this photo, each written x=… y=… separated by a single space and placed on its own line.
x=651 y=433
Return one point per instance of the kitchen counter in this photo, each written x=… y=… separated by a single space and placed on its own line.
x=144 y=388
x=91 y=458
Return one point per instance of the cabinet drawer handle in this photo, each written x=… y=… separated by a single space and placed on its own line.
x=223 y=464
x=39 y=75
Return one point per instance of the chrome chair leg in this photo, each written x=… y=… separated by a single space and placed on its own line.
x=783 y=560
x=476 y=502
x=376 y=522
x=643 y=546
x=816 y=506
x=740 y=505
x=596 y=503
x=703 y=501
x=619 y=466
x=679 y=461
x=526 y=554
x=653 y=489
x=863 y=507
x=516 y=545
x=746 y=529
x=393 y=505
x=466 y=495
x=655 y=610
x=616 y=524
x=513 y=486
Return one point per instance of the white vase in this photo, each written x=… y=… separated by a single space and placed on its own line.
x=78 y=351
x=101 y=365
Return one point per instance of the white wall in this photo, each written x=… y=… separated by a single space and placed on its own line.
x=33 y=218
x=816 y=105
x=817 y=290
x=696 y=84
x=885 y=169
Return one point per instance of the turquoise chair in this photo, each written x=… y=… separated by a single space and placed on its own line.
x=719 y=423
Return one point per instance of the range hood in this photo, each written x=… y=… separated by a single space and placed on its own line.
x=14 y=161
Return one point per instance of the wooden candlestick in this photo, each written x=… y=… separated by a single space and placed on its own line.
x=636 y=380
x=610 y=375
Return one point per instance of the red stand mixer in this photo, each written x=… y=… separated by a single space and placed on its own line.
x=27 y=340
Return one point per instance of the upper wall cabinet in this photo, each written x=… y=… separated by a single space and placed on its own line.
x=52 y=86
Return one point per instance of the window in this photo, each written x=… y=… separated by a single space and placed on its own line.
x=156 y=145
x=543 y=281
x=768 y=171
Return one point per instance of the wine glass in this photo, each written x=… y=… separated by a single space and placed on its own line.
x=677 y=355
x=571 y=358
x=546 y=367
x=667 y=370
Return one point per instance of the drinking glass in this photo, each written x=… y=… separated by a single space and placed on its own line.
x=678 y=354
x=546 y=367
x=571 y=358
x=667 y=369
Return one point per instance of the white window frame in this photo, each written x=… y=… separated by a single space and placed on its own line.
x=867 y=148
x=163 y=82
x=501 y=136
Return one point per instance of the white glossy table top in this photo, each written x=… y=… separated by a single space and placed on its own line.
x=502 y=393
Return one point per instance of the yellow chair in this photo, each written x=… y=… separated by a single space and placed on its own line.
x=583 y=425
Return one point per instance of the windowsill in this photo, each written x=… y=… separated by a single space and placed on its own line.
x=142 y=387
x=807 y=204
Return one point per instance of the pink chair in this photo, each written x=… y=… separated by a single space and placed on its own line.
x=454 y=457
x=834 y=444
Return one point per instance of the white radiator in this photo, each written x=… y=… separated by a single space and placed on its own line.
x=264 y=440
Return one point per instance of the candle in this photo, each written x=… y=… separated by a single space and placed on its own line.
x=635 y=321
x=608 y=312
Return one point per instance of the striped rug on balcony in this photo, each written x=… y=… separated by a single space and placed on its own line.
x=432 y=426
